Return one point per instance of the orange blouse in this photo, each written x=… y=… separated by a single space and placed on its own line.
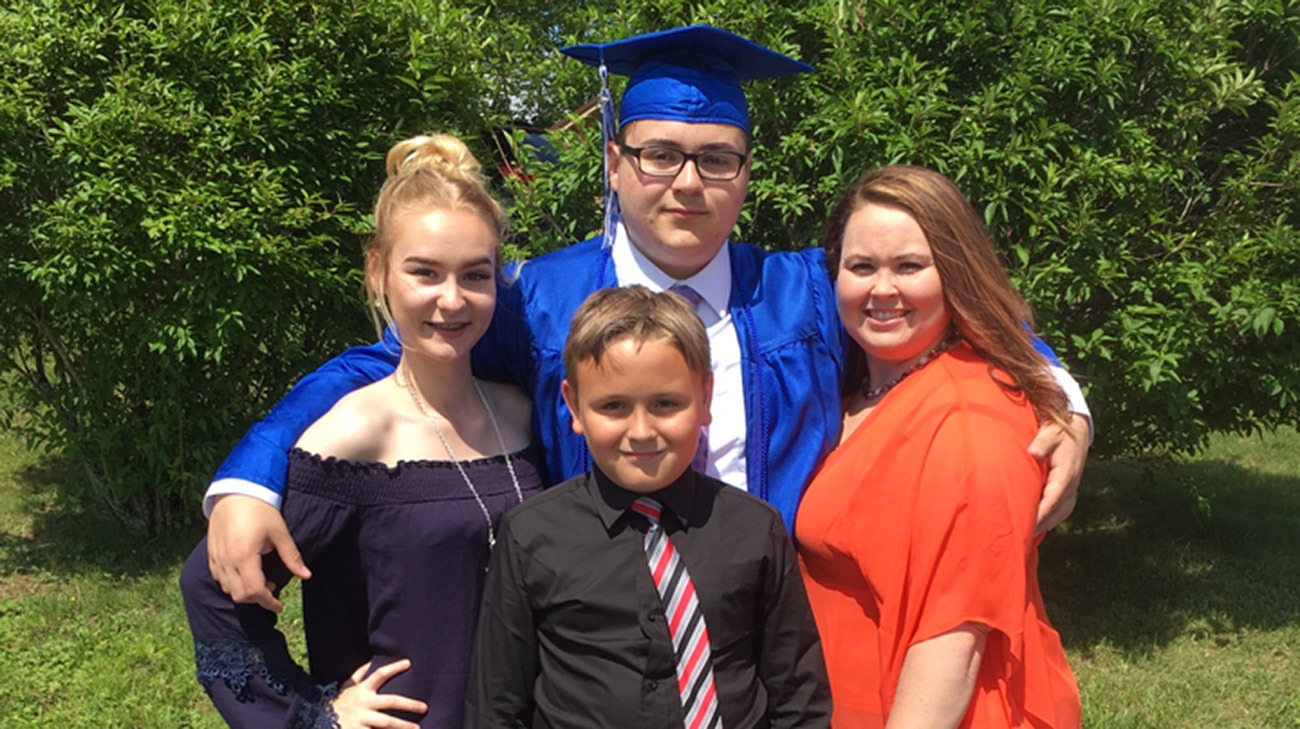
x=920 y=521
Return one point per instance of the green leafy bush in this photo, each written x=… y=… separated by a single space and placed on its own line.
x=179 y=195
x=1137 y=161
x=182 y=186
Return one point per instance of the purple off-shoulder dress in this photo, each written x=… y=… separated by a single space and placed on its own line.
x=397 y=557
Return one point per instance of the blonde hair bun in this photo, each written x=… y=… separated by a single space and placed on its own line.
x=441 y=154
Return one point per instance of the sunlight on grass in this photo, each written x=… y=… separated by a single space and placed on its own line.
x=92 y=630
x=1194 y=682
x=1175 y=616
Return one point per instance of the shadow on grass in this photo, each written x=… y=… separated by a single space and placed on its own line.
x=1139 y=563
x=68 y=538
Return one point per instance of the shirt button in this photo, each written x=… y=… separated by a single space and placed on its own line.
x=653 y=685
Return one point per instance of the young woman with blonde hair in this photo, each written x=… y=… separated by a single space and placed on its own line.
x=394 y=494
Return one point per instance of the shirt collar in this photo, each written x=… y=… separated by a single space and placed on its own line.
x=712 y=283
x=614 y=501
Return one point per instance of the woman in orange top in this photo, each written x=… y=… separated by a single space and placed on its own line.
x=917 y=534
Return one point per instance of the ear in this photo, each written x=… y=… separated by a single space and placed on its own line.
x=747 y=168
x=614 y=155
x=374 y=271
x=571 y=399
x=707 y=399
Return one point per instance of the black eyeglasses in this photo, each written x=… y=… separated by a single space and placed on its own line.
x=718 y=165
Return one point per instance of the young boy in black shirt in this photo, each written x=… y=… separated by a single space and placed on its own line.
x=643 y=594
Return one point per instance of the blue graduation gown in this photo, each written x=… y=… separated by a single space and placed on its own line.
x=786 y=322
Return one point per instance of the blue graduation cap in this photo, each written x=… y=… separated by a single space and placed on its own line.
x=689 y=74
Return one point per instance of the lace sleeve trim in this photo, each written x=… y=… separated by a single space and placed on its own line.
x=317 y=711
x=235 y=662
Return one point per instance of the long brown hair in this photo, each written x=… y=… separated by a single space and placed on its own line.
x=986 y=309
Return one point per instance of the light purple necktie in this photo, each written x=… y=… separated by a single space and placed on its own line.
x=700 y=460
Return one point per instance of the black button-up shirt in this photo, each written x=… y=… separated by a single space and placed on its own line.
x=572 y=631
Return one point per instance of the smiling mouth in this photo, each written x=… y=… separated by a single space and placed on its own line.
x=886 y=315
x=447 y=327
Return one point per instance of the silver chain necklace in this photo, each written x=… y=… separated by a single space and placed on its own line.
x=409 y=384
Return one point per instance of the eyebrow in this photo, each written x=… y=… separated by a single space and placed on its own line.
x=482 y=261
x=623 y=396
x=434 y=263
x=905 y=256
x=710 y=147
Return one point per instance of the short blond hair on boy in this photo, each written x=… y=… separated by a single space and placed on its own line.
x=611 y=315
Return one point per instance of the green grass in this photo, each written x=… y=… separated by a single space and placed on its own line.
x=1173 y=617
x=1179 y=616
x=92 y=632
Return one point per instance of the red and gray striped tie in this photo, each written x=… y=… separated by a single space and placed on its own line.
x=685 y=622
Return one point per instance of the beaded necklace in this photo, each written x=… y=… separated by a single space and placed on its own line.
x=945 y=344
x=409 y=384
